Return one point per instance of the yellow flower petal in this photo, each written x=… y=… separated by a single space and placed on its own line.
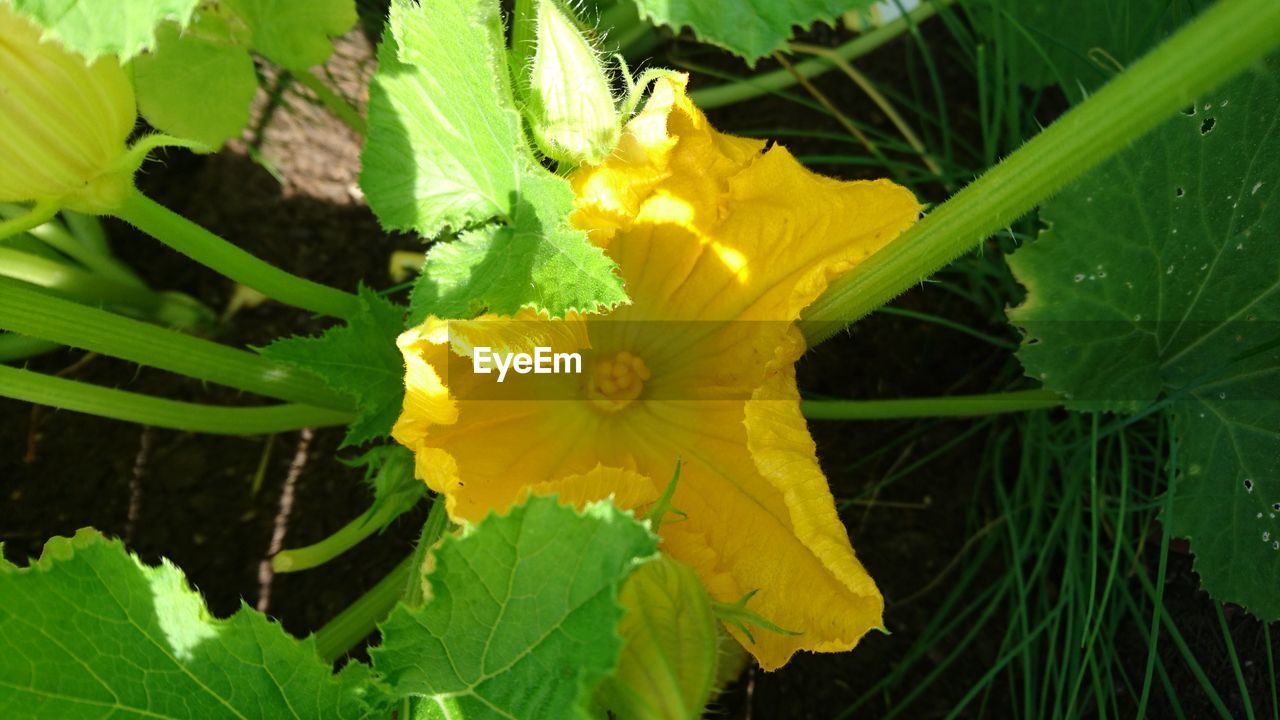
x=721 y=244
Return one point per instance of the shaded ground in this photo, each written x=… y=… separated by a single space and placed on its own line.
x=191 y=497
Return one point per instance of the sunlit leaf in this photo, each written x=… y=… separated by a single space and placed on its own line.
x=521 y=614
x=359 y=359
x=89 y=631
x=105 y=27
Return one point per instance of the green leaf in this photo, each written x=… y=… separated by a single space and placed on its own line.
x=295 y=35
x=1078 y=44
x=194 y=88
x=359 y=359
x=444 y=141
x=537 y=260
x=389 y=472
x=1159 y=273
x=445 y=151
x=750 y=29
x=521 y=616
x=105 y=27
x=89 y=631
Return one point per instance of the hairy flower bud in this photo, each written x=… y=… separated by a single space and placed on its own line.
x=63 y=124
x=570 y=104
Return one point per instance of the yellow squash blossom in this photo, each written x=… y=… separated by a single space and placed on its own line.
x=721 y=243
x=63 y=123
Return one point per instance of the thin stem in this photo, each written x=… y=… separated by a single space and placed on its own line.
x=57 y=392
x=36 y=314
x=351 y=534
x=212 y=251
x=952 y=406
x=876 y=97
x=830 y=107
x=53 y=234
x=71 y=282
x=748 y=88
x=332 y=101
x=432 y=530
x=1222 y=41
x=361 y=618
x=38 y=215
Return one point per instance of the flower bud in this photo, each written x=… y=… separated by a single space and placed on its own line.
x=570 y=104
x=63 y=124
x=669 y=656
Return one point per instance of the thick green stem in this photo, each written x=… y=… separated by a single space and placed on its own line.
x=351 y=534
x=359 y=619
x=212 y=251
x=1223 y=41
x=356 y=622
x=36 y=314
x=950 y=406
x=334 y=103
x=57 y=392
x=748 y=88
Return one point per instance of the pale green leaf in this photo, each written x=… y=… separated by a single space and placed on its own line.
x=193 y=88
x=1159 y=274
x=89 y=631
x=446 y=152
x=751 y=29
x=537 y=260
x=521 y=616
x=295 y=34
x=444 y=141
x=359 y=359
x=105 y=27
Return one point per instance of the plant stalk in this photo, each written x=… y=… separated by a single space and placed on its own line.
x=39 y=315
x=1224 y=40
x=351 y=534
x=216 y=253
x=41 y=389
x=332 y=101
x=949 y=406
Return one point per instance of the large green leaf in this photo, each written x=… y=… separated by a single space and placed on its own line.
x=446 y=151
x=195 y=88
x=359 y=359
x=749 y=28
x=294 y=34
x=1159 y=273
x=521 y=616
x=1079 y=44
x=89 y=631
x=105 y=27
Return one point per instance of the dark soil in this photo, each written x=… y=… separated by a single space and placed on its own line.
x=191 y=498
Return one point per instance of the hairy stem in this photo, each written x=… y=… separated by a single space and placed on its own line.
x=1223 y=41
